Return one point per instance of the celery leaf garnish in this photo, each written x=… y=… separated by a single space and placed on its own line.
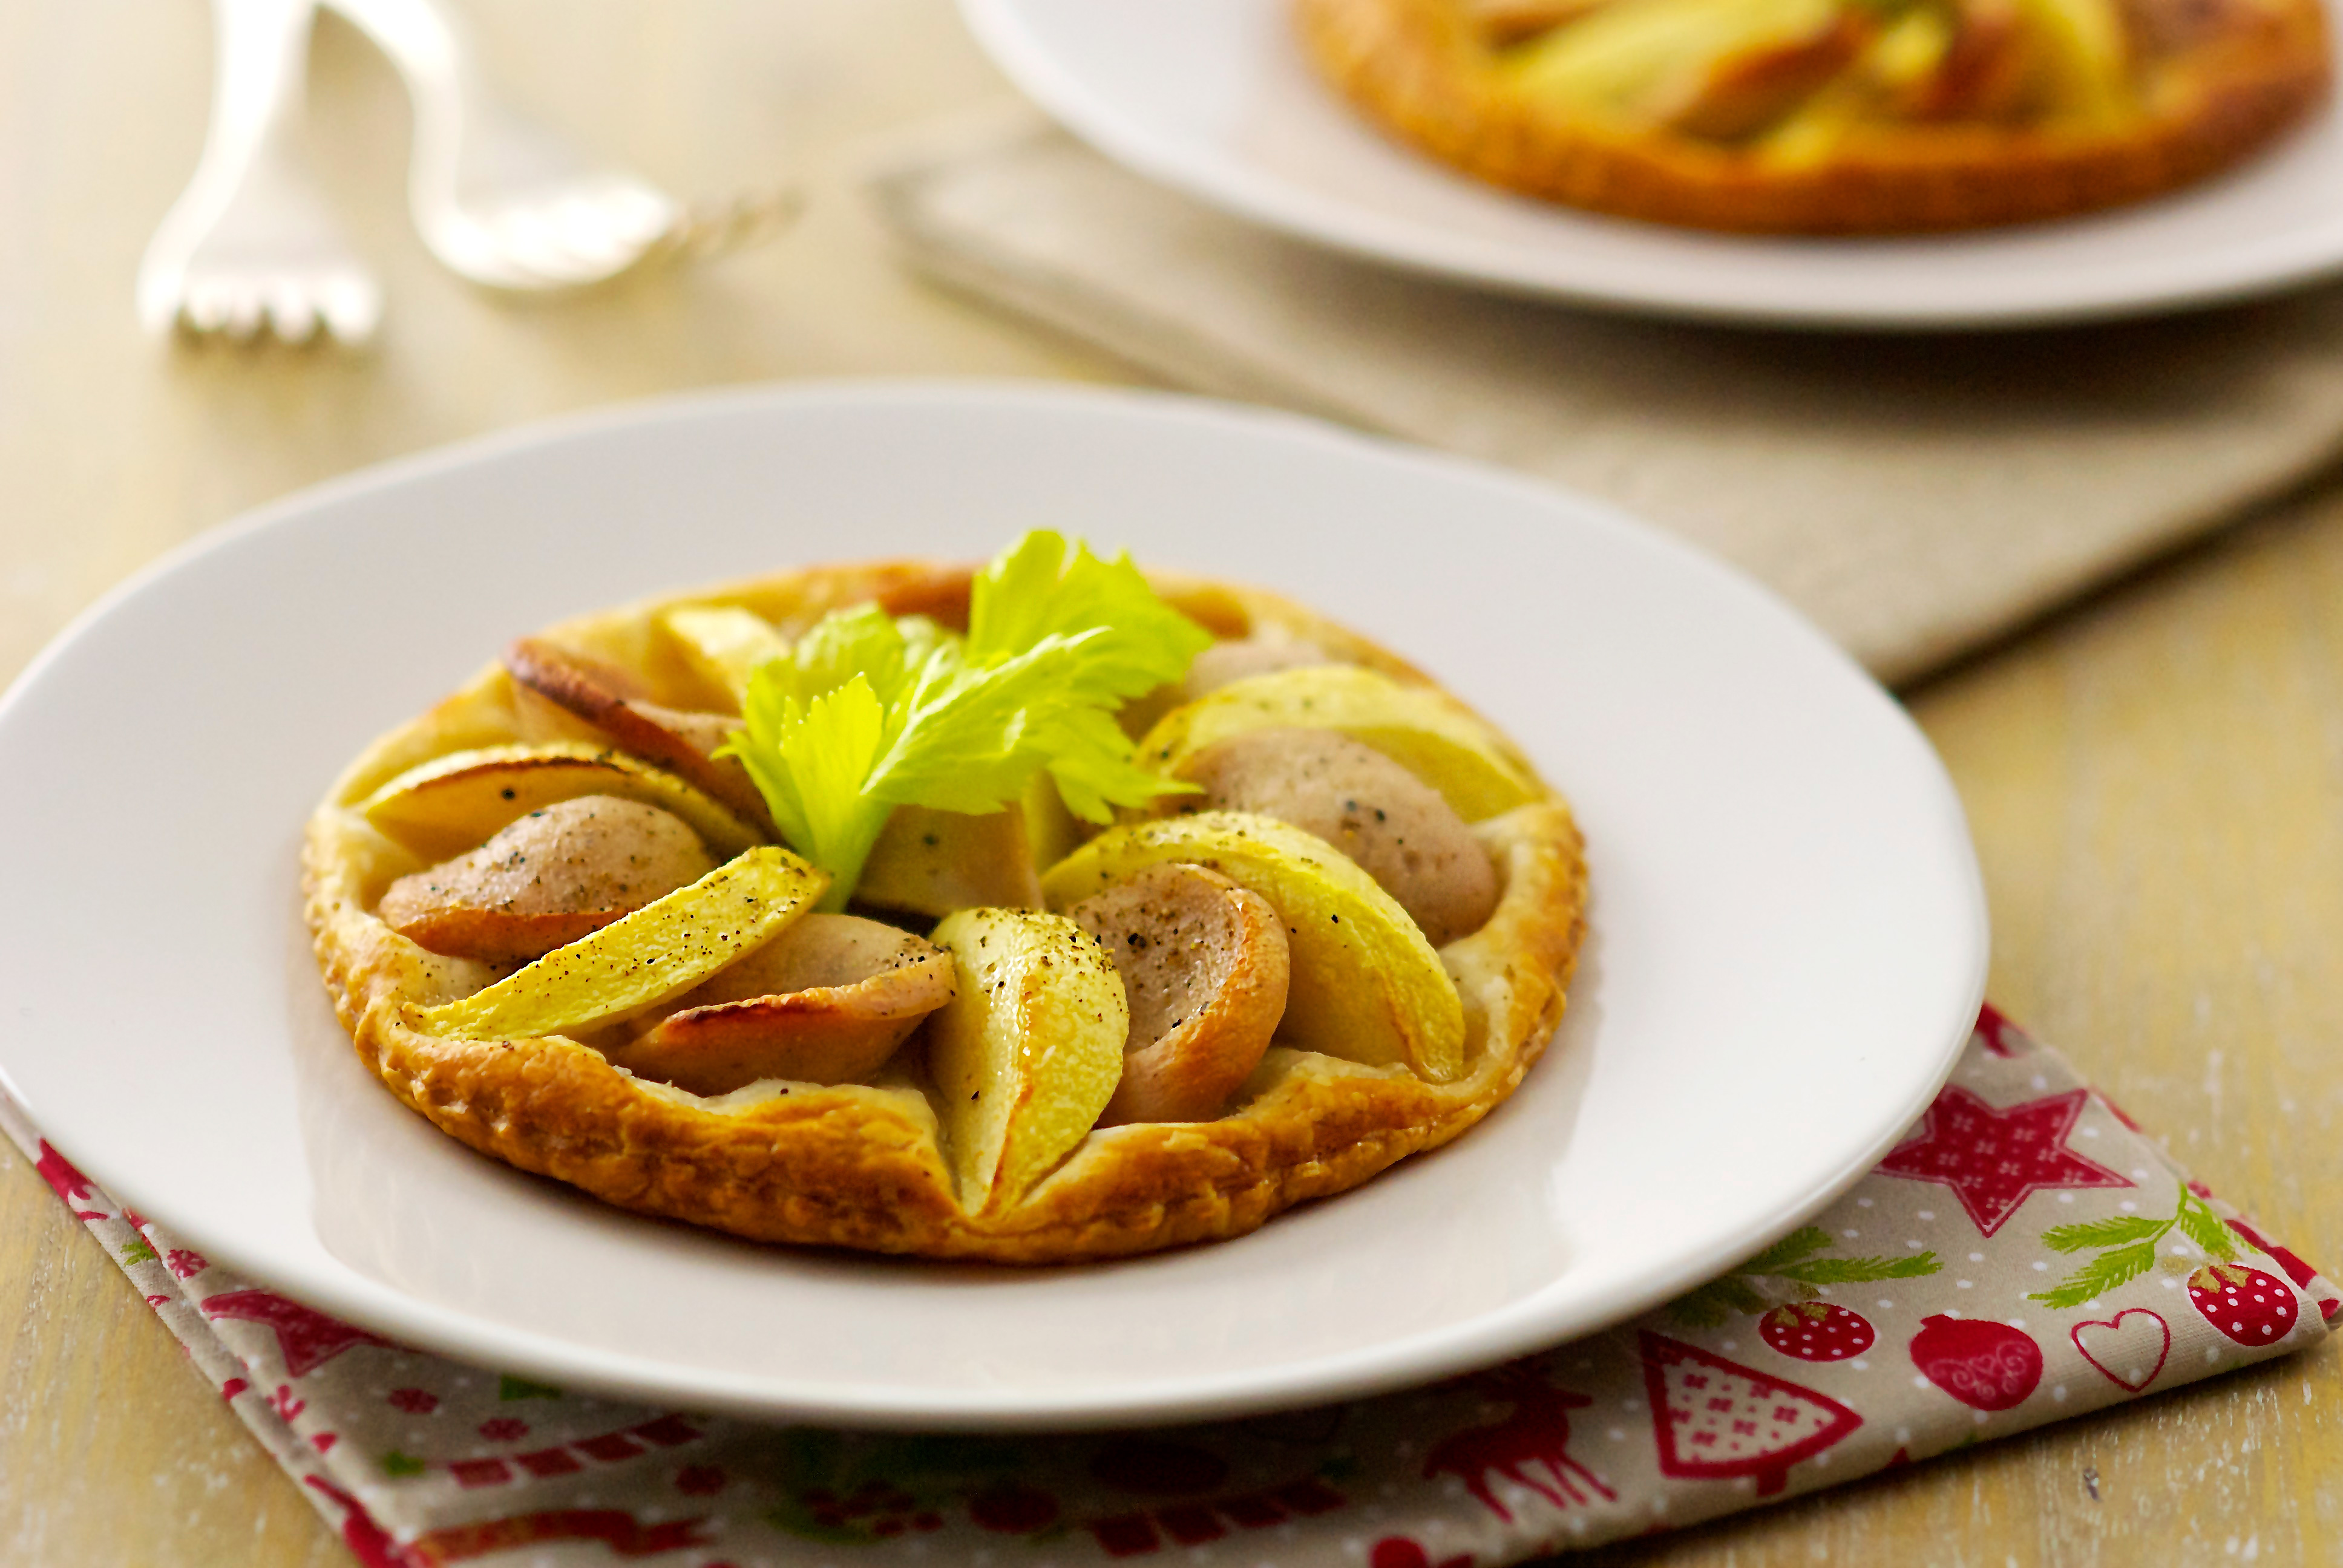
x=870 y=712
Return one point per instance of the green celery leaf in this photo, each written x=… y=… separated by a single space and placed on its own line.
x=1039 y=588
x=868 y=712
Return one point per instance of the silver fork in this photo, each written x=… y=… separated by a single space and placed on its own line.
x=506 y=203
x=248 y=246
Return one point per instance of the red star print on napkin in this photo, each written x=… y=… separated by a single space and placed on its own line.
x=1993 y=1159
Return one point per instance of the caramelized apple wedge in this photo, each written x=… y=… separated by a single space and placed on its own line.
x=635 y=963
x=1366 y=986
x=1223 y=664
x=448 y=804
x=545 y=881
x=681 y=741
x=724 y=644
x=1425 y=731
x=1028 y=1051
x=1203 y=967
x=1651 y=63
x=1503 y=21
x=928 y=863
x=827 y=1002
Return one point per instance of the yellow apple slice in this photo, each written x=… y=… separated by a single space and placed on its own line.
x=652 y=956
x=930 y=862
x=1028 y=1053
x=725 y=644
x=448 y=804
x=1364 y=984
x=1427 y=732
x=1643 y=63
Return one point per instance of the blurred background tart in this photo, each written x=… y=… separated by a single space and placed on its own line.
x=1829 y=116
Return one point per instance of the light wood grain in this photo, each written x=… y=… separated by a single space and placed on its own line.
x=2156 y=780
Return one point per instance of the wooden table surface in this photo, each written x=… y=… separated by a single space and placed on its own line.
x=2155 y=778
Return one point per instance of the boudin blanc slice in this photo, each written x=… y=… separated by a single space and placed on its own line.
x=1395 y=826
x=546 y=879
x=1204 y=967
x=611 y=703
x=827 y=1002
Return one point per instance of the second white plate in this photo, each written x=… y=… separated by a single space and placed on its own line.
x=1788 y=937
x=1213 y=96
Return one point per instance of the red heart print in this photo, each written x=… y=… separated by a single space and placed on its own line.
x=2127 y=1353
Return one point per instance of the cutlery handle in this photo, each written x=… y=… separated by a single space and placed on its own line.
x=260 y=51
x=429 y=55
x=465 y=136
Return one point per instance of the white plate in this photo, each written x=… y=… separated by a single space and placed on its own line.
x=1213 y=96
x=1789 y=932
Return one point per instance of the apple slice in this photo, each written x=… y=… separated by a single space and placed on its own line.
x=635 y=963
x=827 y=1002
x=1026 y=1053
x=1503 y=21
x=929 y=862
x=448 y=804
x=725 y=644
x=609 y=701
x=1366 y=985
x=1204 y=969
x=1425 y=731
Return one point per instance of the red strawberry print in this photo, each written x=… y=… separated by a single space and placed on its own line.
x=1985 y=1365
x=2300 y=1272
x=2249 y=1306
x=1817 y=1331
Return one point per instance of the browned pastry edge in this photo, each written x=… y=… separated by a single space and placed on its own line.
x=1412 y=68
x=859 y=1166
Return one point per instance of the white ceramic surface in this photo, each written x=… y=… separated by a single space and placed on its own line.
x=1788 y=931
x=1214 y=96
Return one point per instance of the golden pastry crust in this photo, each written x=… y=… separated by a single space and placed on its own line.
x=860 y=1165
x=2208 y=84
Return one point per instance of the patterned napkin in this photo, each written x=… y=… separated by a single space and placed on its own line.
x=2026 y=1254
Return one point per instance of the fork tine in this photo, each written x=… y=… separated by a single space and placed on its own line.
x=204 y=307
x=351 y=307
x=290 y=313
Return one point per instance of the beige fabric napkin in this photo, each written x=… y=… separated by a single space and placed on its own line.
x=1916 y=496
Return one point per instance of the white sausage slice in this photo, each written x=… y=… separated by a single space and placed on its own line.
x=546 y=879
x=826 y=1002
x=1396 y=827
x=1205 y=966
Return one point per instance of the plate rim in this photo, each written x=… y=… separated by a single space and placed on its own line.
x=1297 y=211
x=1490 y=1337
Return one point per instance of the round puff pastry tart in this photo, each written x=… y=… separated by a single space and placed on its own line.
x=560 y=920
x=1829 y=116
